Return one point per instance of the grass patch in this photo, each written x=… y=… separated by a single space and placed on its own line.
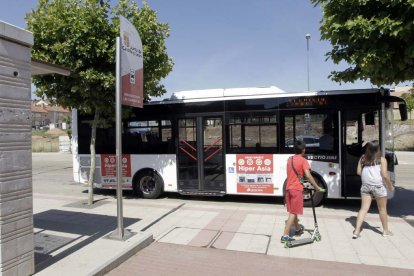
x=44 y=140
x=40 y=132
x=49 y=145
x=408 y=122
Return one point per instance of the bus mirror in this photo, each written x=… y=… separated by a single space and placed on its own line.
x=369 y=119
x=403 y=111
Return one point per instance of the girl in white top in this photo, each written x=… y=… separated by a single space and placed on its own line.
x=373 y=171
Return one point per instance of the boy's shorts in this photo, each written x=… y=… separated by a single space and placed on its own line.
x=294 y=202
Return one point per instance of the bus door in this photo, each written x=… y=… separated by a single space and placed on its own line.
x=359 y=127
x=200 y=155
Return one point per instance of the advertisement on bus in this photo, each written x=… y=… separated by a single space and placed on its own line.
x=108 y=169
x=254 y=173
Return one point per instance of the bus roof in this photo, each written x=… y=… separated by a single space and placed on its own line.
x=250 y=93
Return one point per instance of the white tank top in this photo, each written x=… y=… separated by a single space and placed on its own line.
x=371 y=175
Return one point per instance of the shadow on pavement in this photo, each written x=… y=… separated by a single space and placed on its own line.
x=127 y=194
x=365 y=225
x=71 y=232
x=402 y=205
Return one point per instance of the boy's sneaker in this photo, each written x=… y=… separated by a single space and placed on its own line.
x=286 y=239
x=300 y=230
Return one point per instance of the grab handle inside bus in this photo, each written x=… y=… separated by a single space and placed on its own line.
x=370 y=119
x=403 y=111
x=402 y=106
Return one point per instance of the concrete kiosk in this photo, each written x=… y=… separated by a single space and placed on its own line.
x=16 y=202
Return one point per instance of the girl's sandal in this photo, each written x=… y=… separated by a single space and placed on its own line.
x=388 y=234
x=356 y=236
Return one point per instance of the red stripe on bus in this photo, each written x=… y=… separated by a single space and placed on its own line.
x=185 y=142
x=189 y=154
x=212 y=145
x=211 y=155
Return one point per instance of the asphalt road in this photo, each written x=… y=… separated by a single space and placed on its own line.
x=53 y=174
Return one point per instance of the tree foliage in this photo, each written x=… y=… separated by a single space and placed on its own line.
x=80 y=34
x=409 y=100
x=373 y=36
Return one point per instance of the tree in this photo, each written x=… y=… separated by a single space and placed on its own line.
x=409 y=100
x=373 y=37
x=80 y=34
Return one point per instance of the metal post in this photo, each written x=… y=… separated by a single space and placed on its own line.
x=120 y=229
x=307 y=36
x=383 y=121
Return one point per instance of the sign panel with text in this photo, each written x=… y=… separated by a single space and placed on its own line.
x=254 y=173
x=132 y=65
x=108 y=169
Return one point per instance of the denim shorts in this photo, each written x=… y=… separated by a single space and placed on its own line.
x=374 y=190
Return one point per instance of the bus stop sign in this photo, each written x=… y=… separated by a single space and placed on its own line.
x=132 y=65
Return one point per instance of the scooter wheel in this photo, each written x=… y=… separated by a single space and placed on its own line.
x=287 y=245
x=318 y=238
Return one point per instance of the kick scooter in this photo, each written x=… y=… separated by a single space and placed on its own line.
x=316 y=236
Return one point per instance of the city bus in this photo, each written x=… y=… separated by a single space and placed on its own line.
x=237 y=141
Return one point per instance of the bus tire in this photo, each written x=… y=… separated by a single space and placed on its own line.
x=318 y=197
x=148 y=184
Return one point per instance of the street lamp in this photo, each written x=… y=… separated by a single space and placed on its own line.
x=307 y=36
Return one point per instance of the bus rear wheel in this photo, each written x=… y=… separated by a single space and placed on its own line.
x=317 y=198
x=149 y=183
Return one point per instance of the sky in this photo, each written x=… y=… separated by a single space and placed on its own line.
x=235 y=43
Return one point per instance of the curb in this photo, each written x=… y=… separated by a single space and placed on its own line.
x=142 y=242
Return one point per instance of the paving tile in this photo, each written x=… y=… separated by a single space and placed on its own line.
x=371 y=260
x=347 y=258
x=180 y=236
x=203 y=238
x=303 y=252
x=400 y=263
x=223 y=240
x=249 y=243
x=318 y=255
x=276 y=248
x=253 y=224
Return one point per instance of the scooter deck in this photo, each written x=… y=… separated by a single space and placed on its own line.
x=299 y=242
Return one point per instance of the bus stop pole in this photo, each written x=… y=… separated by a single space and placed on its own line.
x=120 y=219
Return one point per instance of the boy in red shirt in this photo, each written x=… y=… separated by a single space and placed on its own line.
x=294 y=189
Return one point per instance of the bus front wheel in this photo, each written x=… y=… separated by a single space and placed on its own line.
x=149 y=184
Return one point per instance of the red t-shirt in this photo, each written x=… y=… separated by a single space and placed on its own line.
x=300 y=164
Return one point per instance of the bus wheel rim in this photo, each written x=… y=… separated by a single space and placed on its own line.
x=147 y=184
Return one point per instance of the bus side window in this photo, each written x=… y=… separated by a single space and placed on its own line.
x=316 y=130
x=130 y=143
x=252 y=133
x=326 y=141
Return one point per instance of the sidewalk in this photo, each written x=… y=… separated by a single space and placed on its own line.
x=210 y=235
x=179 y=260
x=70 y=239
x=184 y=228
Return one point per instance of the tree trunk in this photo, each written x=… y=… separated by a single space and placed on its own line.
x=93 y=158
